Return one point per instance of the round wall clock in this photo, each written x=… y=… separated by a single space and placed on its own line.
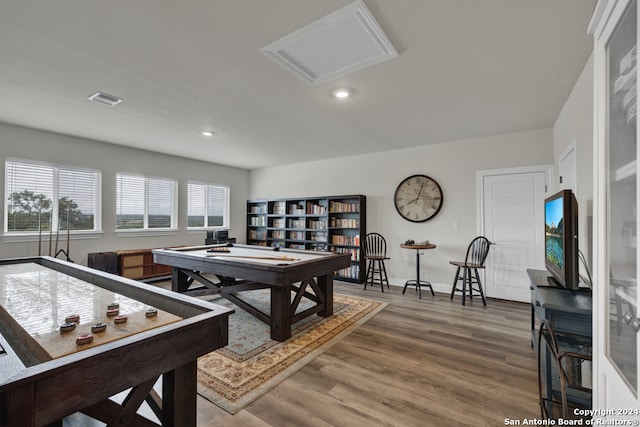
x=418 y=198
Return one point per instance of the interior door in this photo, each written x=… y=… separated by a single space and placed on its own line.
x=616 y=322
x=513 y=218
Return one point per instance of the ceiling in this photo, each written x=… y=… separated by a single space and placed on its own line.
x=465 y=69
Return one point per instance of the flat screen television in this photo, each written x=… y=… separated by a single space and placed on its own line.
x=561 y=239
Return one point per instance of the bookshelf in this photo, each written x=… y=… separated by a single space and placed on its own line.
x=333 y=223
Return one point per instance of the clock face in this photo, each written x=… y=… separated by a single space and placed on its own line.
x=418 y=198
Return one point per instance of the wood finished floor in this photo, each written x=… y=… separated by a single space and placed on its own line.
x=429 y=362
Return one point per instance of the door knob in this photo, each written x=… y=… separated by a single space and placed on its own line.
x=632 y=321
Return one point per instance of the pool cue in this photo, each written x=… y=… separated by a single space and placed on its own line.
x=274 y=258
x=68 y=227
x=57 y=237
x=50 y=230
x=39 y=234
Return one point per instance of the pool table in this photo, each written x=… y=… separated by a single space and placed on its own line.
x=289 y=274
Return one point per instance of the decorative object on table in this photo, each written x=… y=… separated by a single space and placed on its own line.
x=252 y=363
x=418 y=198
x=375 y=252
x=476 y=255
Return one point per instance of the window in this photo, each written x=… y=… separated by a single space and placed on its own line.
x=208 y=205
x=145 y=203
x=49 y=198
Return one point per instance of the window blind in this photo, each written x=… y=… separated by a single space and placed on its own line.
x=207 y=205
x=144 y=203
x=49 y=198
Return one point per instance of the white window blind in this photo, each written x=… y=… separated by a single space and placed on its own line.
x=43 y=197
x=207 y=205
x=145 y=203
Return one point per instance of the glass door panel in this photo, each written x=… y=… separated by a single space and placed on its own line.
x=622 y=291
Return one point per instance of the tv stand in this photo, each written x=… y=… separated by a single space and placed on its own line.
x=568 y=313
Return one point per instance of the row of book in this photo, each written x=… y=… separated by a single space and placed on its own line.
x=315 y=209
x=257 y=234
x=355 y=253
x=343 y=207
x=352 y=272
x=344 y=222
x=257 y=221
x=340 y=239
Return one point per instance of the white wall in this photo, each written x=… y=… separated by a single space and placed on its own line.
x=575 y=123
x=30 y=144
x=452 y=164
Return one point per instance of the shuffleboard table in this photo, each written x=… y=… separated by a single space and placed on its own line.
x=289 y=274
x=62 y=350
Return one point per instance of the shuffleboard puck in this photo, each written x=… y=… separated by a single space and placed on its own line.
x=113 y=305
x=120 y=319
x=84 y=339
x=151 y=312
x=113 y=312
x=67 y=326
x=72 y=318
x=98 y=327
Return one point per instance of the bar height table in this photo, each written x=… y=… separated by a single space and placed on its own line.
x=418 y=283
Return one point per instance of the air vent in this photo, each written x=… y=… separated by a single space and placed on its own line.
x=104 y=98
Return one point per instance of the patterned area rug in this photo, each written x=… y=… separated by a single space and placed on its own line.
x=252 y=363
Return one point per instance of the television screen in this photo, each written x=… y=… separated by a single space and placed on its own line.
x=554 y=232
x=561 y=238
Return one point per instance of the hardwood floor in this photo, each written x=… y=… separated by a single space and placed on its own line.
x=429 y=362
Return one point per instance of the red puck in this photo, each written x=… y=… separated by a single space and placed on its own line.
x=113 y=312
x=84 y=339
x=120 y=319
x=72 y=318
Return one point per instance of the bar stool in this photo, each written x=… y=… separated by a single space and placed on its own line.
x=375 y=252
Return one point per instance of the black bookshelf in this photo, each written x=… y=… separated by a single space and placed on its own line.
x=333 y=223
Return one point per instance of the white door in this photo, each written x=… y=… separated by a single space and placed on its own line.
x=513 y=218
x=567 y=169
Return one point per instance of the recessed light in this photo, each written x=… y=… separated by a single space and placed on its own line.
x=206 y=133
x=342 y=93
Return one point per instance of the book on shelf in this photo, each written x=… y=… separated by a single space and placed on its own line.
x=277 y=234
x=318 y=225
x=316 y=209
x=338 y=207
x=318 y=236
x=296 y=223
x=296 y=235
x=257 y=221
x=344 y=222
x=341 y=239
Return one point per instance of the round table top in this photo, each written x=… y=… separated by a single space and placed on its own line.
x=418 y=246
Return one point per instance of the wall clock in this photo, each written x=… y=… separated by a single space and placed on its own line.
x=418 y=198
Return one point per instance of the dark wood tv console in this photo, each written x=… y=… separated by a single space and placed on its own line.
x=569 y=313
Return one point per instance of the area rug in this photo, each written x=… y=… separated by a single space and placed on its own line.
x=253 y=364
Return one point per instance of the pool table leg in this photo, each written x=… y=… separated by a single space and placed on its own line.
x=325 y=283
x=281 y=315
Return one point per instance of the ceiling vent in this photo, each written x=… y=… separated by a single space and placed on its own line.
x=342 y=42
x=104 y=98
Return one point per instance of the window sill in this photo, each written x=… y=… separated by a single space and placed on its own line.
x=61 y=237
